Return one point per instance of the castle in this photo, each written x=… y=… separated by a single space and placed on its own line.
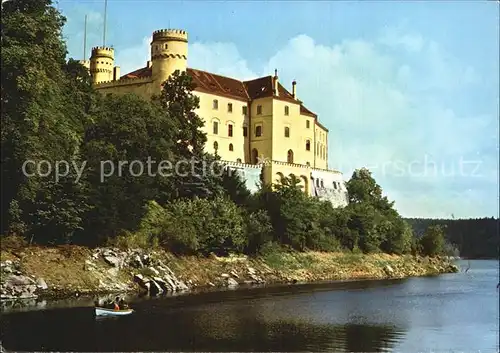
x=254 y=126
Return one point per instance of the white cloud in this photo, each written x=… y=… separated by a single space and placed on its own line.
x=384 y=109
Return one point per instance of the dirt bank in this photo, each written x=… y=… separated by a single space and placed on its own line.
x=73 y=270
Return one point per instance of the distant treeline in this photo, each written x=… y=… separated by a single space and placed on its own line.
x=475 y=238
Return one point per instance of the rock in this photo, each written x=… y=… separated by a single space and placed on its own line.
x=42 y=284
x=89 y=265
x=165 y=287
x=154 y=270
x=453 y=268
x=231 y=282
x=155 y=288
x=136 y=262
x=234 y=274
x=211 y=284
x=251 y=270
x=389 y=270
x=225 y=275
x=112 y=260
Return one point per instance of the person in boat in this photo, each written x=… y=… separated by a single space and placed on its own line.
x=122 y=304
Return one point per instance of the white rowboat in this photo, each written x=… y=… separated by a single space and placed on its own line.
x=112 y=312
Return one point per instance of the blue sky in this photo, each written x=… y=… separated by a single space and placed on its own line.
x=408 y=89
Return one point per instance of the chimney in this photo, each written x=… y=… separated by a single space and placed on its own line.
x=276 y=82
x=294 y=89
x=116 y=73
x=149 y=64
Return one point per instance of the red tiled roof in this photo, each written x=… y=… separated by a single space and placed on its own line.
x=228 y=87
x=220 y=85
x=144 y=72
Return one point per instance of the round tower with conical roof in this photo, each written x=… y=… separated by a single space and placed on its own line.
x=102 y=63
x=169 y=50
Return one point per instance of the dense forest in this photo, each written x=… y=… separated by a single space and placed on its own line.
x=52 y=118
x=474 y=238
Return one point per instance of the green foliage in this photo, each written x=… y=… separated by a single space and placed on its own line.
x=43 y=117
x=473 y=238
x=197 y=225
x=432 y=242
x=259 y=230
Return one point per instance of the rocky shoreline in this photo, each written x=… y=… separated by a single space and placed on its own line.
x=70 y=271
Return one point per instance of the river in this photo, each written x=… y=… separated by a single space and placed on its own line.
x=447 y=313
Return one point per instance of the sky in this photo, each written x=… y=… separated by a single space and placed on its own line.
x=409 y=90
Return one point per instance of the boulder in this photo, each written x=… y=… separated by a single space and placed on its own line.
x=389 y=270
x=42 y=284
x=231 y=282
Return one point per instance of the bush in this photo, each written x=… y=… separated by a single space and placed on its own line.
x=432 y=242
x=259 y=230
x=13 y=242
x=198 y=225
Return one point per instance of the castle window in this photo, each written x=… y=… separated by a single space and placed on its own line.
x=245 y=131
x=238 y=160
x=308 y=145
x=322 y=185
x=317 y=183
x=308 y=124
x=244 y=110
x=255 y=156
x=230 y=130
x=259 y=110
x=287 y=131
x=286 y=110
x=215 y=104
x=216 y=146
x=308 y=164
x=289 y=157
x=216 y=128
x=258 y=131
x=166 y=46
x=335 y=185
x=230 y=107
x=231 y=148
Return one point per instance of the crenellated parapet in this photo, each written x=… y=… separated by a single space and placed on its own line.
x=124 y=82
x=241 y=165
x=170 y=35
x=106 y=52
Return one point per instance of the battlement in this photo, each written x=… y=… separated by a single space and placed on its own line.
x=103 y=51
x=241 y=165
x=123 y=82
x=170 y=34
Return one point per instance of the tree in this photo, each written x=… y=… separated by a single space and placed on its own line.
x=432 y=242
x=40 y=115
x=129 y=150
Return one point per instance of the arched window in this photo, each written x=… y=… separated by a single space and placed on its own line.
x=322 y=184
x=308 y=145
x=289 y=157
x=216 y=146
x=258 y=131
x=308 y=164
x=238 y=160
x=317 y=183
x=255 y=156
x=166 y=46
x=231 y=147
x=215 y=127
x=215 y=104
x=287 y=131
x=286 y=110
x=230 y=130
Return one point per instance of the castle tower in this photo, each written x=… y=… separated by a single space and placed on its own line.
x=102 y=64
x=169 y=50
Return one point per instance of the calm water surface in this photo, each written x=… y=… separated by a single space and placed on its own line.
x=452 y=312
